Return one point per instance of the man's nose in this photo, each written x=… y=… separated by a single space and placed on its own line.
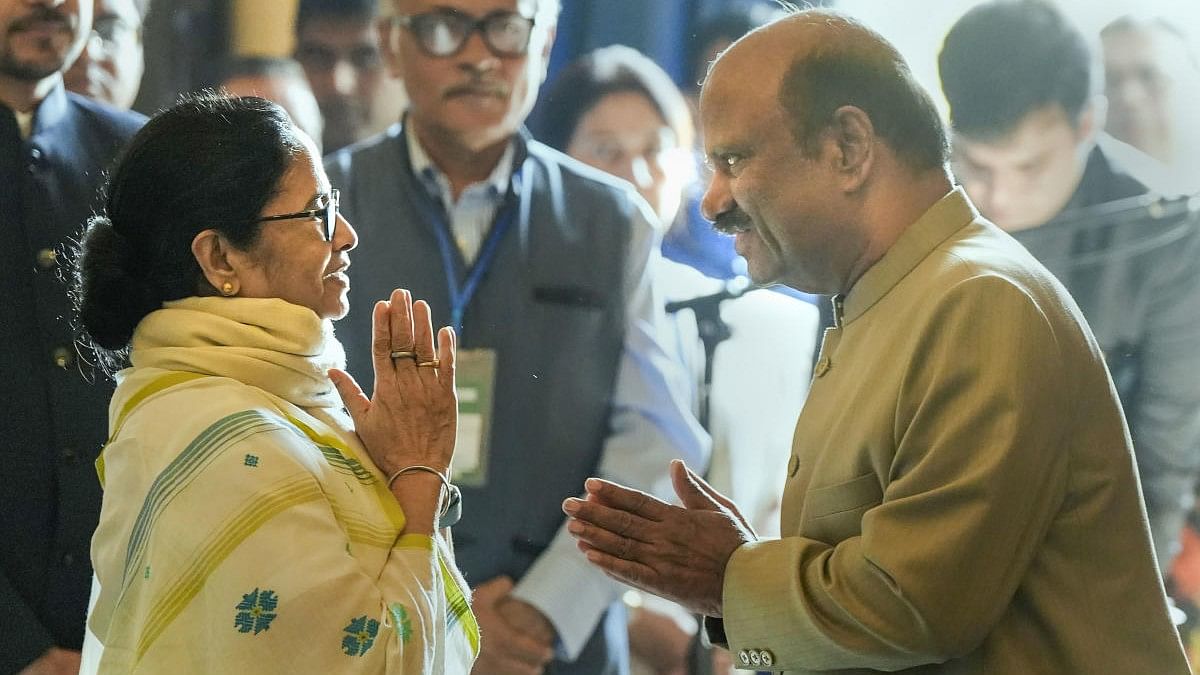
x=345 y=78
x=476 y=56
x=717 y=197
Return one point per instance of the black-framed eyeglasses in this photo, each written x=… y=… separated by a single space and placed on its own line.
x=445 y=32
x=327 y=211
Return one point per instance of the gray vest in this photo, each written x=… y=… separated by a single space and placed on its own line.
x=552 y=307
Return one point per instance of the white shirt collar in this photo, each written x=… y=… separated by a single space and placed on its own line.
x=431 y=175
x=24 y=124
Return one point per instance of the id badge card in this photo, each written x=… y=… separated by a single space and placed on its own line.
x=475 y=380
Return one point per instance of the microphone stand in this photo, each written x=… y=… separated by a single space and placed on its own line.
x=713 y=331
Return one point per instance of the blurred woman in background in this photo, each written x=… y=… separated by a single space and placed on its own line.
x=617 y=111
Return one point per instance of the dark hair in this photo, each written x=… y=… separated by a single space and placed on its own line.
x=261 y=66
x=208 y=162
x=868 y=74
x=611 y=70
x=1005 y=59
x=352 y=10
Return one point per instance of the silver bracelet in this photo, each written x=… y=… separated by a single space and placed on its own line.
x=449 y=495
x=418 y=467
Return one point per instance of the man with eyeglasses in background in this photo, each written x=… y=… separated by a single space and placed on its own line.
x=540 y=265
x=337 y=44
x=110 y=67
x=54 y=149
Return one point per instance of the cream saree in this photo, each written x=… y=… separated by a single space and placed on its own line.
x=243 y=528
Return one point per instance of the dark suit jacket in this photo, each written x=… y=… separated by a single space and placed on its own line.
x=55 y=404
x=1137 y=280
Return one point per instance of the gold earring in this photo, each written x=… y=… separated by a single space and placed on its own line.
x=227 y=288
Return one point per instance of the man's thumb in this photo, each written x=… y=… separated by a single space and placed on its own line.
x=492 y=590
x=688 y=488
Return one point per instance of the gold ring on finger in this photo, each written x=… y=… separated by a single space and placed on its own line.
x=434 y=363
x=402 y=354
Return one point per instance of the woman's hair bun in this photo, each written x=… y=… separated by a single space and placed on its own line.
x=113 y=295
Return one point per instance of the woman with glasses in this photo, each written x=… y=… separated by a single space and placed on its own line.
x=248 y=524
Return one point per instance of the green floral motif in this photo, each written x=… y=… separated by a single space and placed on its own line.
x=256 y=611
x=401 y=621
x=360 y=636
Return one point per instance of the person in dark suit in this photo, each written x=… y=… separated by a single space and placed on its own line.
x=1028 y=148
x=540 y=263
x=54 y=149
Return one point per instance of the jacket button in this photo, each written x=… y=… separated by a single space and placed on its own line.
x=755 y=658
x=68 y=455
x=68 y=560
x=823 y=367
x=768 y=659
x=793 y=466
x=62 y=357
x=744 y=657
x=47 y=258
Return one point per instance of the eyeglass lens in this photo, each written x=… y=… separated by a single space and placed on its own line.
x=444 y=33
x=331 y=213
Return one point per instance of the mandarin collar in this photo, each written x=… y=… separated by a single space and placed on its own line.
x=947 y=216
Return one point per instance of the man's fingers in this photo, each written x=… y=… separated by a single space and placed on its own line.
x=626 y=499
x=492 y=590
x=526 y=650
x=601 y=539
x=691 y=488
x=628 y=572
x=619 y=522
x=352 y=395
x=504 y=664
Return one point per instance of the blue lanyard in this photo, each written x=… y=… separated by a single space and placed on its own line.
x=460 y=295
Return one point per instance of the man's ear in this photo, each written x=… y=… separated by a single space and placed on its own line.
x=853 y=137
x=213 y=253
x=1091 y=120
x=389 y=45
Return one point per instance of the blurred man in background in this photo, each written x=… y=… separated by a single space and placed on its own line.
x=541 y=265
x=1152 y=83
x=110 y=67
x=338 y=45
x=281 y=81
x=1019 y=78
x=618 y=111
x=54 y=149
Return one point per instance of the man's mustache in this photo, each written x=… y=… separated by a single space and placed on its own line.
x=732 y=221
x=479 y=88
x=40 y=14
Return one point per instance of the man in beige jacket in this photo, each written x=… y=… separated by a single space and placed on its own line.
x=961 y=496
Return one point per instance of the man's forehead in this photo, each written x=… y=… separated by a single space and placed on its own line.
x=344 y=31
x=474 y=7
